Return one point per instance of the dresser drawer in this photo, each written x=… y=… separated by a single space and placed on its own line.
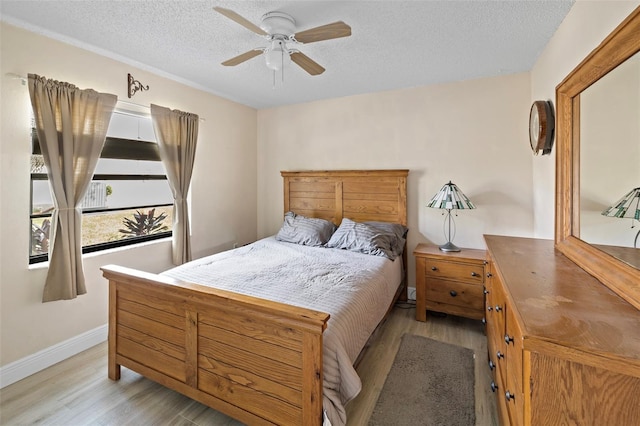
x=497 y=386
x=455 y=293
x=457 y=271
x=514 y=348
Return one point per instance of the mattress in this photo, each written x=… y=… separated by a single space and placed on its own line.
x=355 y=289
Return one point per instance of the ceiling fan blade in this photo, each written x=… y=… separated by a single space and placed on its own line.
x=306 y=63
x=240 y=20
x=241 y=58
x=324 y=32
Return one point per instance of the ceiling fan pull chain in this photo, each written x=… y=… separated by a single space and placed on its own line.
x=282 y=62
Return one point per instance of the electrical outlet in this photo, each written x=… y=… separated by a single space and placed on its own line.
x=412 y=293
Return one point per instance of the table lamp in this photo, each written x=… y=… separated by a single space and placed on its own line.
x=450 y=198
x=627 y=207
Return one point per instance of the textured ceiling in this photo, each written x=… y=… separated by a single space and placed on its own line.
x=394 y=44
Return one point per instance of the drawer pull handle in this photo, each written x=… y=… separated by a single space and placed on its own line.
x=508 y=339
x=453 y=293
x=484 y=321
x=509 y=396
x=499 y=354
x=474 y=274
x=485 y=291
x=494 y=387
x=498 y=308
x=489 y=308
x=489 y=274
x=491 y=365
x=433 y=268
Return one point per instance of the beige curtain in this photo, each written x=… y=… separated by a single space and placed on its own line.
x=71 y=126
x=177 y=135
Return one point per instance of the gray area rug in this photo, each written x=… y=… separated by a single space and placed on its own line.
x=431 y=383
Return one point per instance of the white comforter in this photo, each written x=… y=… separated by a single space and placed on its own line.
x=355 y=289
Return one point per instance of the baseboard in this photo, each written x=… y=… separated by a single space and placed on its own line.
x=31 y=364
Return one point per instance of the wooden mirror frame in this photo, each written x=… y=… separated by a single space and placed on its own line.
x=619 y=276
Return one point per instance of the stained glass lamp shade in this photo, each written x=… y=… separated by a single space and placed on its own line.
x=450 y=198
x=627 y=207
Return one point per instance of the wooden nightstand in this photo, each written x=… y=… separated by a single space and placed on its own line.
x=449 y=282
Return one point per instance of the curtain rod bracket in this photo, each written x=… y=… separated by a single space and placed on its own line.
x=15 y=76
x=134 y=86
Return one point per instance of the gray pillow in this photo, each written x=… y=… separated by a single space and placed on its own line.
x=400 y=231
x=364 y=238
x=304 y=230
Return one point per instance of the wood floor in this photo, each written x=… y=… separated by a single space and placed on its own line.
x=78 y=392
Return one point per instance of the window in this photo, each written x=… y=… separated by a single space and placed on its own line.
x=128 y=200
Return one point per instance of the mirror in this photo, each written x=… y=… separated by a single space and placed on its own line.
x=601 y=257
x=610 y=161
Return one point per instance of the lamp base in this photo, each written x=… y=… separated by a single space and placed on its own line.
x=449 y=247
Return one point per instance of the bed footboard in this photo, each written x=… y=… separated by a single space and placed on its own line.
x=257 y=361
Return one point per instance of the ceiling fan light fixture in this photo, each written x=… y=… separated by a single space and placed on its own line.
x=277 y=56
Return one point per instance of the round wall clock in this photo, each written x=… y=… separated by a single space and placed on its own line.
x=541 y=127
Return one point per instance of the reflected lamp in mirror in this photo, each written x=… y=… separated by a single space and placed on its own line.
x=450 y=198
x=627 y=207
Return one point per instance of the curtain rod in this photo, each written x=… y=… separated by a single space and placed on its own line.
x=145 y=106
x=24 y=80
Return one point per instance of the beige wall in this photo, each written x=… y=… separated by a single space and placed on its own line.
x=583 y=29
x=473 y=133
x=479 y=127
x=223 y=187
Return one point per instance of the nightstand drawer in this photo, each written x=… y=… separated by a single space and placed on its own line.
x=462 y=311
x=455 y=293
x=456 y=271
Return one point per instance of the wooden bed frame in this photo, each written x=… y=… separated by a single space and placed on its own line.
x=255 y=360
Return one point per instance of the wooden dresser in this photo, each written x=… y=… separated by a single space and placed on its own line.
x=449 y=282
x=563 y=348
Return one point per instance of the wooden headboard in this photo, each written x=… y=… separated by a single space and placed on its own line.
x=360 y=195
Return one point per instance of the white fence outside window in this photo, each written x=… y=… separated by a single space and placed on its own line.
x=96 y=197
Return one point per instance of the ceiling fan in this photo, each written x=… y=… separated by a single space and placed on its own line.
x=278 y=29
